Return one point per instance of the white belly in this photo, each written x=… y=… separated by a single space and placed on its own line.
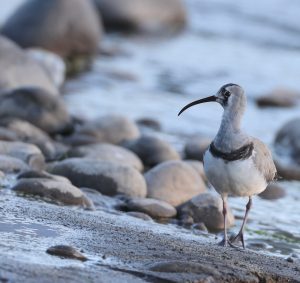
x=237 y=178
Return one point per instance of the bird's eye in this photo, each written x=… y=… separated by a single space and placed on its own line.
x=226 y=93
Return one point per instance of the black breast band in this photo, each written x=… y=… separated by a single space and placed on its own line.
x=241 y=153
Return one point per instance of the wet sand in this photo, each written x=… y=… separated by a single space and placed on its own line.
x=121 y=249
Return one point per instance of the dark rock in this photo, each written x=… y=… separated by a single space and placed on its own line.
x=28 y=133
x=57 y=191
x=153 y=207
x=106 y=177
x=10 y=164
x=68 y=28
x=200 y=226
x=107 y=129
x=207 y=208
x=152 y=150
x=28 y=153
x=142 y=15
x=107 y=152
x=139 y=215
x=174 y=182
x=31 y=174
x=36 y=106
x=196 y=147
x=21 y=70
x=272 y=192
x=149 y=123
x=278 y=98
x=287 y=171
x=66 y=252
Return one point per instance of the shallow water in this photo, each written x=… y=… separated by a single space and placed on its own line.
x=256 y=45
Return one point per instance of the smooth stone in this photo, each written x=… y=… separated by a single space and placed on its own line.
x=287 y=171
x=21 y=70
x=149 y=123
x=29 y=133
x=279 y=97
x=112 y=129
x=207 y=208
x=273 y=192
x=152 y=150
x=38 y=107
x=159 y=16
x=287 y=140
x=10 y=164
x=66 y=252
x=53 y=64
x=153 y=207
x=107 y=152
x=28 y=153
x=199 y=167
x=139 y=215
x=195 y=148
x=31 y=174
x=106 y=177
x=64 y=27
x=7 y=135
x=174 y=182
x=62 y=192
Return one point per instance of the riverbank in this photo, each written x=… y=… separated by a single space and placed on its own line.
x=120 y=248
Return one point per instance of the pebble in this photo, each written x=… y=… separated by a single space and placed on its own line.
x=106 y=177
x=207 y=208
x=139 y=215
x=196 y=147
x=28 y=153
x=57 y=191
x=67 y=28
x=154 y=208
x=174 y=182
x=37 y=106
x=107 y=152
x=152 y=150
x=273 y=192
x=21 y=70
x=153 y=16
x=112 y=129
x=66 y=252
x=10 y=164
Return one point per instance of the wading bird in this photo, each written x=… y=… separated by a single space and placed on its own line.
x=235 y=163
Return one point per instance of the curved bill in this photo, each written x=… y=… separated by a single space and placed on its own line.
x=203 y=100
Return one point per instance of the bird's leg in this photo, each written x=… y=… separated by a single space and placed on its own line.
x=240 y=235
x=225 y=241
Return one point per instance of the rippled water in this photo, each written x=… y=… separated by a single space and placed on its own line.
x=255 y=44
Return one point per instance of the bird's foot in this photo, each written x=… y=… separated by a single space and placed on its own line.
x=226 y=243
x=239 y=238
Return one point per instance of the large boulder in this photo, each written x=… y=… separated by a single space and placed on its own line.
x=106 y=129
x=142 y=15
x=174 y=182
x=207 y=208
x=21 y=70
x=62 y=192
x=38 y=107
x=65 y=27
x=152 y=150
x=106 y=177
x=107 y=152
x=28 y=153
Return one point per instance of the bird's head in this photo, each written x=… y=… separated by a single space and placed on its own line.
x=230 y=96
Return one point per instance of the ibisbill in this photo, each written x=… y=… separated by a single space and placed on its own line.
x=235 y=163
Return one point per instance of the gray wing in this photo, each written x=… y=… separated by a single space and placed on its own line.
x=263 y=160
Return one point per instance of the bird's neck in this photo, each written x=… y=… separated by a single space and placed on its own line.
x=230 y=136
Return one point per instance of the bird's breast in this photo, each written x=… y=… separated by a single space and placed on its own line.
x=238 y=177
